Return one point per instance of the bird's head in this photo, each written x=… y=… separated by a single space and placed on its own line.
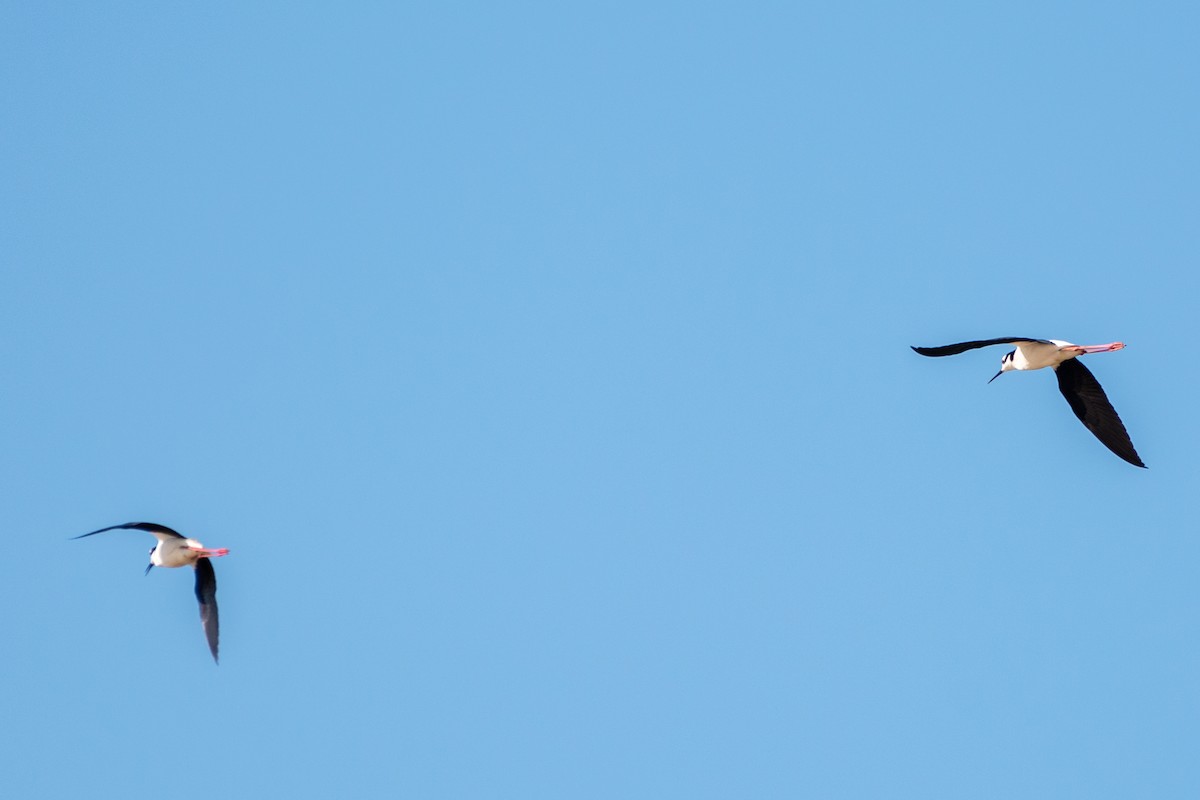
x=1006 y=364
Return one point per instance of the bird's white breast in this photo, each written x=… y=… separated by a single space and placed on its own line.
x=1036 y=355
x=172 y=553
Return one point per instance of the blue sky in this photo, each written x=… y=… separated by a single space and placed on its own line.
x=545 y=369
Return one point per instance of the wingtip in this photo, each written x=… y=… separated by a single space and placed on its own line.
x=89 y=533
x=104 y=530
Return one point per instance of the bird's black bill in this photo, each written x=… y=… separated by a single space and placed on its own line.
x=997 y=375
x=148 y=568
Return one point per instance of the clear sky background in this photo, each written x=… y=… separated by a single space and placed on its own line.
x=546 y=370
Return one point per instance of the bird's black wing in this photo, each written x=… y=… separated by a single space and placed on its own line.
x=962 y=347
x=1090 y=404
x=206 y=593
x=149 y=527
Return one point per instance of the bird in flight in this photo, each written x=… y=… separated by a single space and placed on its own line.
x=1075 y=381
x=175 y=550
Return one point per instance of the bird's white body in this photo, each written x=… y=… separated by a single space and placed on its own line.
x=173 y=552
x=1039 y=355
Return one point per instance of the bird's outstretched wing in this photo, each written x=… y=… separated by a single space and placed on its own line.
x=1090 y=404
x=159 y=531
x=962 y=347
x=206 y=593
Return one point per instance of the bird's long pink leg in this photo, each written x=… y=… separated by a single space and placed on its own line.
x=1102 y=348
x=212 y=552
x=1096 y=348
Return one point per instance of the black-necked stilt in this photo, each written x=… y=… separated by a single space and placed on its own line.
x=1075 y=381
x=175 y=550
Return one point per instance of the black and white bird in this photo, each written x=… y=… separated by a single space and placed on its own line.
x=176 y=550
x=1075 y=381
